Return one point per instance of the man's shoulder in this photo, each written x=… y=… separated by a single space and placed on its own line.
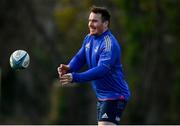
x=109 y=41
x=110 y=37
x=87 y=38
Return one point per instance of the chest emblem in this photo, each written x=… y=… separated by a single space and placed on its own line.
x=96 y=49
x=87 y=45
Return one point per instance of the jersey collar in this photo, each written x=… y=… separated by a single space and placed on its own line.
x=103 y=34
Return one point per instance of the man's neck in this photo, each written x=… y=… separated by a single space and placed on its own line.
x=102 y=32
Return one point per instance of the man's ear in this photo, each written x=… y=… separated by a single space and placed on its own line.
x=106 y=23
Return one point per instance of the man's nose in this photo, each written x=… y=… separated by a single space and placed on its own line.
x=90 y=23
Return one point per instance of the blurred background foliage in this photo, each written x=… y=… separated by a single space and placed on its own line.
x=52 y=31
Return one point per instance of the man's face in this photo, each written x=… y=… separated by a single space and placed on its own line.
x=96 y=25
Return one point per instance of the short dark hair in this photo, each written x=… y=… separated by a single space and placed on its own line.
x=103 y=11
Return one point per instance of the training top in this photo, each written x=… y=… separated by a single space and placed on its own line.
x=102 y=54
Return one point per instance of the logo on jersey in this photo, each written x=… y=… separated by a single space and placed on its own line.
x=117 y=118
x=96 y=49
x=87 y=45
x=104 y=116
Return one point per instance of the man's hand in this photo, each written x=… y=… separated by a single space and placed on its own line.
x=62 y=69
x=66 y=79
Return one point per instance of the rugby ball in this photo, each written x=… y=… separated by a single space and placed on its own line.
x=19 y=59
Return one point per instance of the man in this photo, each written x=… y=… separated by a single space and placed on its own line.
x=101 y=52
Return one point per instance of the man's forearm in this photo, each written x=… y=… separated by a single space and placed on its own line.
x=92 y=74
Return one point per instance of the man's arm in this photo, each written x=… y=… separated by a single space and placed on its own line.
x=105 y=63
x=107 y=58
x=91 y=74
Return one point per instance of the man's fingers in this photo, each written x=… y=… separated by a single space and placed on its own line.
x=60 y=71
x=66 y=84
x=65 y=76
x=63 y=81
x=64 y=67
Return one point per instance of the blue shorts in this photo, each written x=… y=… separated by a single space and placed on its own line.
x=110 y=110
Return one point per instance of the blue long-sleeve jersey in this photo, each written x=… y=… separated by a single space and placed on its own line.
x=102 y=55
